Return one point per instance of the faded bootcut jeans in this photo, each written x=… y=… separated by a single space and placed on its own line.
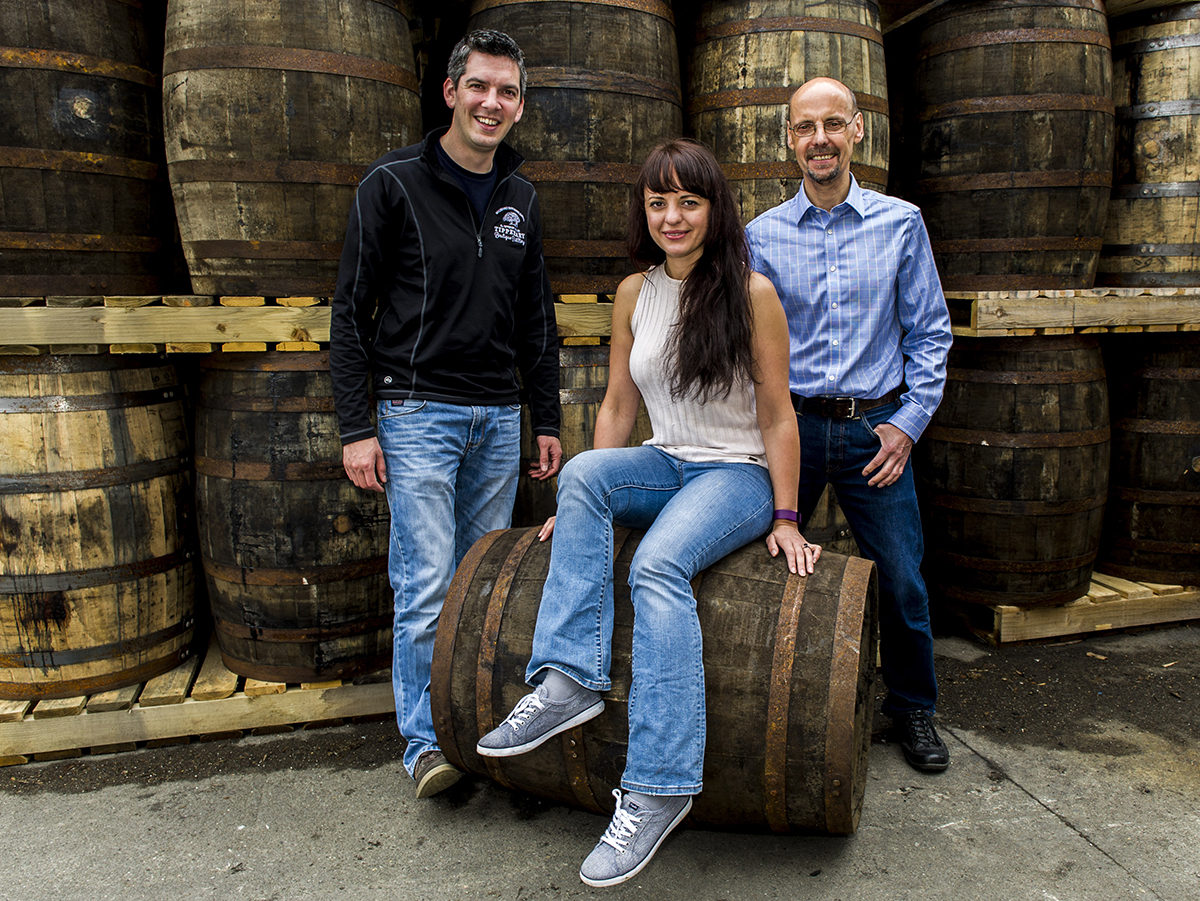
x=695 y=514
x=451 y=478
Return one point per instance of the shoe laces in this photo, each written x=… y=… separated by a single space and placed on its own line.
x=526 y=707
x=624 y=825
x=921 y=729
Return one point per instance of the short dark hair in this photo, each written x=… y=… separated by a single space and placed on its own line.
x=487 y=41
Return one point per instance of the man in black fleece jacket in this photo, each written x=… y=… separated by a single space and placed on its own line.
x=442 y=296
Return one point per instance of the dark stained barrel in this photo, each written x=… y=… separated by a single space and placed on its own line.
x=789 y=667
x=1013 y=471
x=604 y=89
x=747 y=58
x=1152 y=523
x=271 y=118
x=1153 y=232
x=97 y=568
x=1015 y=115
x=86 y=208
x=295 y=555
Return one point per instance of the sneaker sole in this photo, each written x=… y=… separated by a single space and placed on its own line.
x=577 y=720
x=438 y=779
x=624 y=877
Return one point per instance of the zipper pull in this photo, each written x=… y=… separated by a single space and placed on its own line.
x=479 y=241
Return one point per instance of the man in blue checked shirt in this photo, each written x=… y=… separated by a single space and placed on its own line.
x=870 y=334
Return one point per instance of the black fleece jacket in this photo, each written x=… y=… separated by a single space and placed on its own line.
x=432 y=304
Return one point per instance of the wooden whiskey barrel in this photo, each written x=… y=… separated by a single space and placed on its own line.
x=97 y=581
x=295 y=555
x=1152 y=522
x=271 y=119
x=85 y=200
x=1153 y=231
x=604 y=89
x=789 y=667
x=1016 y=125
x=746 y=59
x=1013 y=471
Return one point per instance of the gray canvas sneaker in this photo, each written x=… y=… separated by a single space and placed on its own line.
x=631 y=839
x=536 y=719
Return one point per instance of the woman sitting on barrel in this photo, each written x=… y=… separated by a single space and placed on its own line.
x=703 y=340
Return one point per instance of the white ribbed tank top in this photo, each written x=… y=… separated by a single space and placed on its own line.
x=724 y=429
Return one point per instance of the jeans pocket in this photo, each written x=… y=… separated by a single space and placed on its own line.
x=390 y=409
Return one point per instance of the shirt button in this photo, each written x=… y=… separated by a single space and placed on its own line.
x=831 y=378
x=833 y=268
x=830 y=231
x=835 y=304
x=835 y=342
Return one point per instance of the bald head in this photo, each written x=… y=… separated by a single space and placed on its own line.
x=827 y=88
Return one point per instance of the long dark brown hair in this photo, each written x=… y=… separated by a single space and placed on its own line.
x=711 y=347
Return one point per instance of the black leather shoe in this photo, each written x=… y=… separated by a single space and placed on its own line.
x=922 y=747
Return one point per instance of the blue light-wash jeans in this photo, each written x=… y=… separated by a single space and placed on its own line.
x=887 y=526
x=695 y=514
x=451 y=478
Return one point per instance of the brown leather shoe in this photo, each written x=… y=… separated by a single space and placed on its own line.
x=434 y=774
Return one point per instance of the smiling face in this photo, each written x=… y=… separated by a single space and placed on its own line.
x=678 y=223
x=487 y=102
x=825 y=158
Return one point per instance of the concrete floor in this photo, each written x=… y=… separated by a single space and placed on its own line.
x=1075 y=775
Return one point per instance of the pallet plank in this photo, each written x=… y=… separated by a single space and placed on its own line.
x=1123 y=587
x=59 y=707
x=14 y=711
x=171 y=687
x=215 y=680
x=117 y=699
x=256 y=688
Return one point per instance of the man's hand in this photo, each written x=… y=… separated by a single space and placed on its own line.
x=549 y=458
x=892 y=457
x=364 y=464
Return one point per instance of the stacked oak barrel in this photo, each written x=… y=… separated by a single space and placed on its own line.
x=1050 y=146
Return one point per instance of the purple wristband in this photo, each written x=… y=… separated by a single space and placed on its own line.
x=789 y=515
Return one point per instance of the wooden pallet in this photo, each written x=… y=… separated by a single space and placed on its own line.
x=986 y=314
x=200 y=699
x=202 y=324
x=1111 y=603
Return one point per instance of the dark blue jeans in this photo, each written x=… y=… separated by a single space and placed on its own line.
x=887 y=527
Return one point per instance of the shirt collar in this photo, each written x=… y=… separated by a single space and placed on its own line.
x=854 y=200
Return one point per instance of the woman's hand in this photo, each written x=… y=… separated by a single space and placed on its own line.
x=546 y=530
x=799 y=553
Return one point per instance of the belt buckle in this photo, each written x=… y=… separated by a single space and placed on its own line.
x=848 y=403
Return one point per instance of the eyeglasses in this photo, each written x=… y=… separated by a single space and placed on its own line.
x=808 y=129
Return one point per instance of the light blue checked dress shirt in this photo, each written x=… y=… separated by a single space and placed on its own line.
x=862 y=296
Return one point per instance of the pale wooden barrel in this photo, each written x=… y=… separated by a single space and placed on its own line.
x=97 y=568
x=1153 y=231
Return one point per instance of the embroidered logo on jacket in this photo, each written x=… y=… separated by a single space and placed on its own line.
x=510 y=227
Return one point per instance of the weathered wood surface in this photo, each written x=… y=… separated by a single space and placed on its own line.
x=1152 y=523
x=86 y=204
x=789 y=666
x=24 y=735
x=1013 y=471
x=270 y=120
x=295 y=556
x=1013 y=104
x=746 y=59
x=97 y=576
x=604 y=89
x=1153 y=231
x=1103 y=609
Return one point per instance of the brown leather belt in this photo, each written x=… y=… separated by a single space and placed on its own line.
x=841 y=407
